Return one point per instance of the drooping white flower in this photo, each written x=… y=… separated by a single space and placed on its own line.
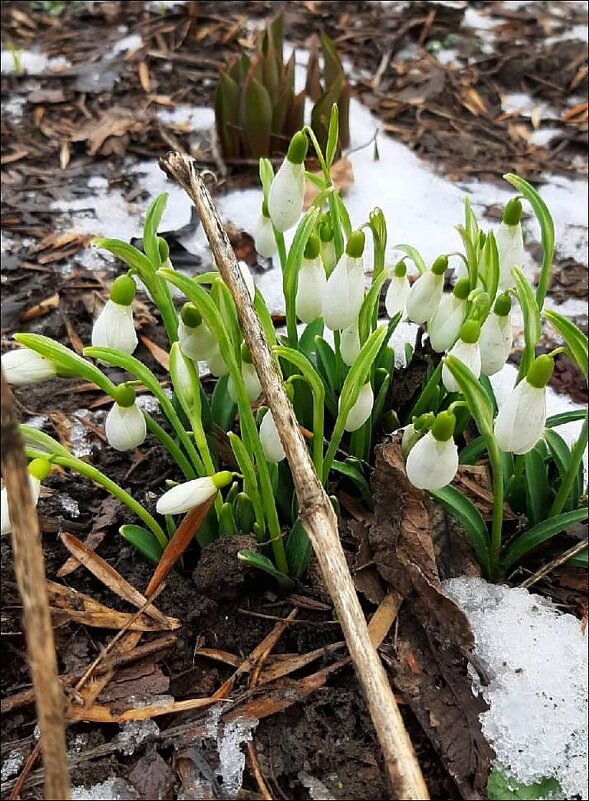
x=216 y=364
x=38 y=470
x=311 y=283
x=398 y=291
x=253 y=387
x=184 y=378
x=327 y=246
x=426 y=293
x=198 y=342
x=510 y=243
x=248 y=278
x=433 y=460
x=190 y=494
x=361 y=410
x=344 y=291
x=415 y=431
x=25 y=366
x=114 y=327
x=125 y=426
x=264 y=240
x=271 y=445
x=444 y=327
x=496 y=337
x=521 y=420
x=350 y=344
x=467 y=351
x=285 y=200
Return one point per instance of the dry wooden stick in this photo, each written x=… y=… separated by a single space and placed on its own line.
x=29 y=568
x=316 y=513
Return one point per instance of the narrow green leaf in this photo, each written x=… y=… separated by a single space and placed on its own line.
x=298 y=550
x=307 y=340
x=349 y=470
x=143 y=541
x=250 y=480
x=559 y=450
x=326 y=362
x=42 y=442
x=414 y=256
x=370 y=307
x=256 y=116
x=538 y=494
x=332 y=135
x=540 y=533
x=503 y=788
x=222 y=407
x=477 y=399
x=266 y=176
x=532 y=322
x=575 y=339
x=261 y=562
x=579 y=560
x=133 y=258
x=153 y=218
x=470 y=518
x=472 y=452
x=563 y=418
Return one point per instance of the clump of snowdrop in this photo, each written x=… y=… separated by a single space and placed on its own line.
x=496 y=337
x=444 y=327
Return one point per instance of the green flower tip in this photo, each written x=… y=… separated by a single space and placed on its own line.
x=297 y=150
x=125 y=395
x=400 y=269
x=325 y=231
x=355 y=246
x=39 y=468
x=440 y=265
x=502 y=305
x=513 y=212
x=221 y=479
x=191 y=317
x=443 y=427
x=462 y=288
x=541 y=371
x=246 y=356
x=313 y=247
x=164 y=249
x=470 y=332
x=123 y=290
x=424 y=422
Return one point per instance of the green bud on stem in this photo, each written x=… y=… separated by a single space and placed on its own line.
x=440 y=265
x=470 y=332
x=313 y=247
x=462 y=288
x=443 y=427
x=123 y=290
x=400 y=269
x=191 y=317
x=512 y=213
x=297 y=150
x=355 y=245
x=541 y=371
x=125 y=395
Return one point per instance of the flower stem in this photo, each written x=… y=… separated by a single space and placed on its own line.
x=172 y=447
x=497 y=525
x=566 y=485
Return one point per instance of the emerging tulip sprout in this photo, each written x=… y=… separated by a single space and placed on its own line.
x=338 y=367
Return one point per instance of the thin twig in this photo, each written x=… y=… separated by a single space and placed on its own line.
x=552 y=565
x=316 y=512
x=29 y=568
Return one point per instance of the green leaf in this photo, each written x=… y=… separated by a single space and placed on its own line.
x=414 y=256
x=227 y=523
x=256 y=116
x=490 y=266
x=532 y=321
x=250 y=480
x=559 y=450
x=326 y=362
x=342 y=213
x=540 y=533
x=470 y=518
x=472 y=452
x=150 y=226
x=538 y=494
x=370 y=307
x=350 y=470
x=67 y=360
x=488 y=387
x=332 y=135
x=546 y=229
x=143 y=541
x=477 y=399
x=266 y=176
x=579 y=560
x=563 y=418
x=133 y=258
x=42 y=442
x=222 y=407
x=307 y=340
x=298 y=550
x=502 y=788
x=575 y=339
x=245 y=515
x=260 y=562
x=470 y=221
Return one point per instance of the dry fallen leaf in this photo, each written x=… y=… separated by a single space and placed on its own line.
x=115 y=122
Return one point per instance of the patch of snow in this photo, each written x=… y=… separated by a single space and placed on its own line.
x=80 y=435
x=536 y=661
x=317 y=790
x=12 y=765
x=163 y=5
x=69 y=505
x=110 y=790
x=473 y=18
x=524 y=105
x=543 y=136
x=147 y=403
x=129 y=43
x=14 y=107
x=30 y=62
x=229 y=738
x=134 y=733
x=195 y=118
x=577 y=32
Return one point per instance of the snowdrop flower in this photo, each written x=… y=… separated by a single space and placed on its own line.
x=521 y=420
x=311 y=283
x=271 y=445
x=349 y=345
x=114 y=327
x=216 y=364
x=510 y=243
x=467 y=351
x=398 y=291
x=426 y=293
x=285 y=200
x=361 y=410
x=415 y=431
x=496 y=337
x=344 y=291
x=327 y=245
x=264 y=240
x=24 y=366
x=433 y=460
x=38 y=471
x=248 y=278
x=445 y=325
x=166 y=262
x=190 y=494
x=250 y=378
x=185 y=380
x=196 y=340
x=125 y=426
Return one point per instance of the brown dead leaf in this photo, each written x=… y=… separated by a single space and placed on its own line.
x=422 y=87
x=366 y=577
x=62 y=426
x=115 y=122
x=161 y=356
x=64 y=155
x=40 y=309
x=144 y=77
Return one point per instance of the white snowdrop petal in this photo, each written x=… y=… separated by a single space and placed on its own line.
x=350 y=344
x=521 y=420
x=361 y=410
x=264 y=237
x=432 y=464
x=444 y=327
x=253 y=387
x=186 y=496
x=495 y=343
x=424 y=297
x=510 y=248
x=125 y=427
x=114 y=328
x=285 y=200
x=248 y=279
x=344 y=293
x=271 y=445
x=35 y=487
x=196 y=343
x=310 y=290
x=396 y=296
x=24 y=366
x=470 y=355
x=216 y=364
